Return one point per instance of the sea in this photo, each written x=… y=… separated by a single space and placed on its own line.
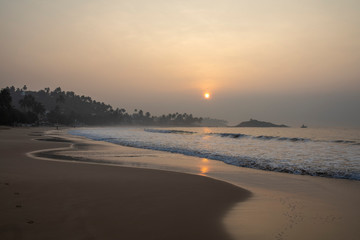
x=325 y=152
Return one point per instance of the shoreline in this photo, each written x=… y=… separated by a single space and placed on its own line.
x=282 y=206
x=63 y=200
x=314 y=153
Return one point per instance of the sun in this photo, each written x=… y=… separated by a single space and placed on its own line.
x=207 y=95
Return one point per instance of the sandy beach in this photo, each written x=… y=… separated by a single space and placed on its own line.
x=179 y=120
x=59 y=194
x=62 y=200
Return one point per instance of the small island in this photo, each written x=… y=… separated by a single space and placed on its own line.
x=256 y=123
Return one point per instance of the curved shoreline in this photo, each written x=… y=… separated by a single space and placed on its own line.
x=282 y=206
x=104 y=202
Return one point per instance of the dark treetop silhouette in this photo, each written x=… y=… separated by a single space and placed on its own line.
x=60 y=107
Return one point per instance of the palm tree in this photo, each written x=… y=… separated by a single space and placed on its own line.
x=6 y=110
x=38 y=108
x=5 y=98
x=27 y=102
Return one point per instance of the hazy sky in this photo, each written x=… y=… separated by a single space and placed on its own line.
x=284 y=61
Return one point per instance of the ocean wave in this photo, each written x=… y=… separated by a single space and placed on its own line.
x=167 y=131
x=347 y=142
x=327 y=158
x=256 y=163
x=230 y=135
x=243 y=161
x=261 y=137
x=277 y=138
x=294 y=139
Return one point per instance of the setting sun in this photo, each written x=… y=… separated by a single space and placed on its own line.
x=207 y=95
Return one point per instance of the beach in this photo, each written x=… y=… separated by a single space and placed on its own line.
x=64 y=200
x=63 y=187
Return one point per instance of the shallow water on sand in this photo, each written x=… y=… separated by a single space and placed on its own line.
x=333 y=153
x=283 y=206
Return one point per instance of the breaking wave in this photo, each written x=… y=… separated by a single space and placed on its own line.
x=261 y=137
x=167 y=131
x=327 y=158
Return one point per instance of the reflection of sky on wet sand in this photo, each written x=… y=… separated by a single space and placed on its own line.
x=297 y=203
x=204 y=168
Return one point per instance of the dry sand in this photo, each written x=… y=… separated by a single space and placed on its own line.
x=63 y=200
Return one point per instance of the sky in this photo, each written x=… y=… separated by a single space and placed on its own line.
x=285 y=61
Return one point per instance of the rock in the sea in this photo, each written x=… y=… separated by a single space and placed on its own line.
x=256 y=123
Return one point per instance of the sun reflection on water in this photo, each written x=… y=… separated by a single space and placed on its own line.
x=204 y=168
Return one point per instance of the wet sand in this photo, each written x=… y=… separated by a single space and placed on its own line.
x=282 y=206
x=67 y=200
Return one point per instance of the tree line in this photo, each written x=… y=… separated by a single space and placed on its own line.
x=46 y=107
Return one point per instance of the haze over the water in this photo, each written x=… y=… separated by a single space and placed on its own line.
x=284 y=61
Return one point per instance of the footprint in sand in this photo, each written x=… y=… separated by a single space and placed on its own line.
x=28 y=221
